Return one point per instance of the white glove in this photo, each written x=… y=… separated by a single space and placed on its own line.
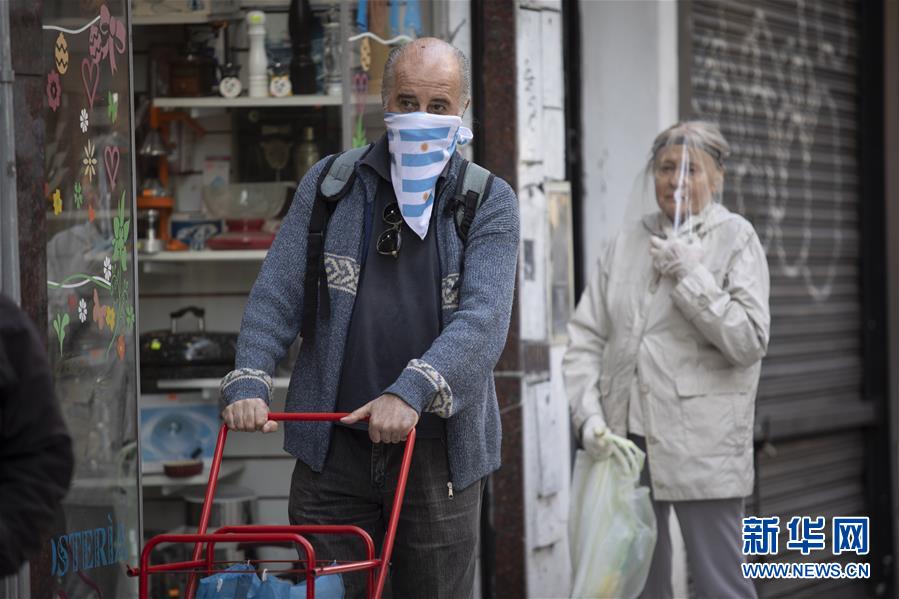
x=597 y=437
x=674 y=257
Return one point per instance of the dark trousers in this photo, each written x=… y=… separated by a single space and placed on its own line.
x=712 y=537
x=436 y=542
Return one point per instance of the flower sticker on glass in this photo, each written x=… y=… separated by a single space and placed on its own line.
x=120 y=347
x=112 y=106
x=57 y=202
x=107 y=268
x=120 y=227
x=79 y=197
x=82 y=311
x=110 y=317
x=84 y=121
x=61 y=54
x=89 y=161
x=59 y=325
x=95 y=44
x=54 y=91
x=99 y=312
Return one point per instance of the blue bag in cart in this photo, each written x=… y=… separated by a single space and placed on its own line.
x=326 y=587
x=237 y=582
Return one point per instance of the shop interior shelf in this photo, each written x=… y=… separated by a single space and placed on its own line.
x=157 y=479
x=204 y=256
x=169 y=485
x=184 y=18
x=280 y=382
x=198 y=17
x=248 y=102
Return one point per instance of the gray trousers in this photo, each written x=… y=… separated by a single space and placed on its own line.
x=437 y=537
x=712 y=535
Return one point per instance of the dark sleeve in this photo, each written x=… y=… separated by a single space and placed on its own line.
x=36 y=458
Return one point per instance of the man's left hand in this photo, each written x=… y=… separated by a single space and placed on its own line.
x=389 y=419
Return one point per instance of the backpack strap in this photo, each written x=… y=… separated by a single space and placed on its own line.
x=474 y=185
x=335 y=181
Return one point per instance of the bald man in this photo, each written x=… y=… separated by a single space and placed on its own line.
x=409 y=339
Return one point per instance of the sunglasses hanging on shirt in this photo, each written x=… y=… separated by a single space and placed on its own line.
x=391 y=240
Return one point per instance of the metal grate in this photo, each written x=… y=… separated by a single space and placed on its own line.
x=781 y=79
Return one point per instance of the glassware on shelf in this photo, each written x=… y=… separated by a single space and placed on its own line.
x=245 y=207
x=306 y=154
x=332 y=50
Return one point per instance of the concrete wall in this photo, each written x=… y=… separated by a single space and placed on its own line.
x=629 y=91
x=629 y=94
x=545 y=430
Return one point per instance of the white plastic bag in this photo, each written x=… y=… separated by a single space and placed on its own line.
x=611 y=526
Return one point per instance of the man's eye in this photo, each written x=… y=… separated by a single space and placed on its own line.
x=438 y=108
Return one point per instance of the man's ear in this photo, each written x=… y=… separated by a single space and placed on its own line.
x=465 y=108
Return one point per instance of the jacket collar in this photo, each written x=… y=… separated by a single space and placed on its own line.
x=657 y=223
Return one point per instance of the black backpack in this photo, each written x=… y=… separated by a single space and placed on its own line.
x=336 y=180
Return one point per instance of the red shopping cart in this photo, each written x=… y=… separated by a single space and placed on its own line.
x=203 y=563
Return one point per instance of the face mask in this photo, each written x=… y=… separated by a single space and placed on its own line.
x=420 y=146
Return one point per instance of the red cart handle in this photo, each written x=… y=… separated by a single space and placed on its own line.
x=390 y=535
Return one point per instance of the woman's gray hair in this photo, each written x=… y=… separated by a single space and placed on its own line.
x=704 y=135
x=390 y=72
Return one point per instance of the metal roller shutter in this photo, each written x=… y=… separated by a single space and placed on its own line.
x=781 y=79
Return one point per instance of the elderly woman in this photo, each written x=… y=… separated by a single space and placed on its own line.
x=666 y=347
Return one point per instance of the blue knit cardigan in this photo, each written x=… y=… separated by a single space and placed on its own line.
x=453 y=379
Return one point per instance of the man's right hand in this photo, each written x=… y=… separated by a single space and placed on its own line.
x=249 y=415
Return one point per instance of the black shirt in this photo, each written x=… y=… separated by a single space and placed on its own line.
x=396 y=315
x=36 y=459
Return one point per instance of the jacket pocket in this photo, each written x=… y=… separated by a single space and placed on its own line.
x=714 y=411
x=712 y=382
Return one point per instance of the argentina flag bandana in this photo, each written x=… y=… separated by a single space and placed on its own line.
x=420 y=146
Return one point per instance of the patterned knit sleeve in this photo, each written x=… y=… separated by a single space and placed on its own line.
x=272 y=316
x=451 y=375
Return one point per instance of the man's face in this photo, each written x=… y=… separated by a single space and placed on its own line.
x=426 y=80
x=695 y=176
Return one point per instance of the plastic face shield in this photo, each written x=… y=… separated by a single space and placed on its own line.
x=683 y=175
x=685 y=179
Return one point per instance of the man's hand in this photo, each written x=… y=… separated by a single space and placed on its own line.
x=389 y=419
x=249 y=415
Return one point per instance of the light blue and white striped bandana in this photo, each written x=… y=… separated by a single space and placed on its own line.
x=420 y=146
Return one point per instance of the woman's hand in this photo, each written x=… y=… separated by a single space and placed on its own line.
x=597 y=438
x=675 y=257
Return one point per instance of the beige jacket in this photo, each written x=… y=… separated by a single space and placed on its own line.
x=694 y=348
